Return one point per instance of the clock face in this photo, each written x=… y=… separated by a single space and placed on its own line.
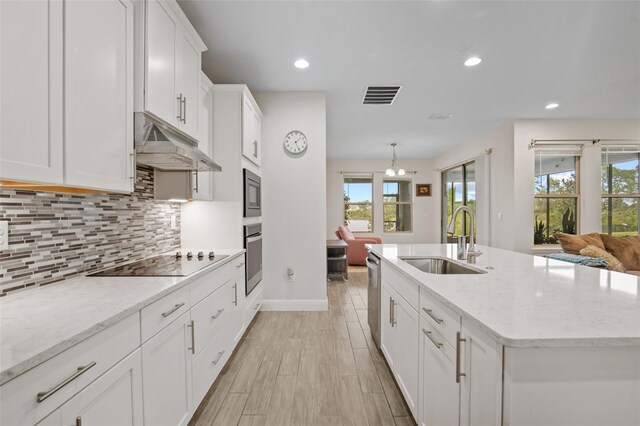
x=295 y=142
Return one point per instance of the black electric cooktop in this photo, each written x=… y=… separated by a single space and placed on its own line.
x=175 y=265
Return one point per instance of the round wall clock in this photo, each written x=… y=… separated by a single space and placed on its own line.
x=296 y=142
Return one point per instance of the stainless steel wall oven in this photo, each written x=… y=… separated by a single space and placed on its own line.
x=253 y=263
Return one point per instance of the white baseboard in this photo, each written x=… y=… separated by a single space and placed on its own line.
x=295 y=305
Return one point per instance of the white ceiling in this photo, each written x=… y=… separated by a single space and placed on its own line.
x=583 y=55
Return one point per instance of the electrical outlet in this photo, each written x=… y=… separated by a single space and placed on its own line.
x=290 y=273
x=4 y=235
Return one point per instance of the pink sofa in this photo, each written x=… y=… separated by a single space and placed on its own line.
x=356 y=252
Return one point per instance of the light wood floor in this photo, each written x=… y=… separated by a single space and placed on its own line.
x=308 y=368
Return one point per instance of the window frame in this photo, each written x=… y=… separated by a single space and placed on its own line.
x=359 y=203
x=409 y=180
x=548 y=196
x=609 y=196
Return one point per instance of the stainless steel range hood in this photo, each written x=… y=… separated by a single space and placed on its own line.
x=162 y=147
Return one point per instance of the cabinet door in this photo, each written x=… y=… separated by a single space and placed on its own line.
x=388 y=334
x=481 y=385
x=166 y=375
x=249 y=142
x=160 y=94
x=187 y=84
x=113 y=399
x=205 y=137
x=407 y=328
x=99 y=94
x=439 y=392
x=31 y=91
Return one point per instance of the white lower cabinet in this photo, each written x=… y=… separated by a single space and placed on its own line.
x=113 y=399
x=166 y=374
x=399 y=343
x=439 y=392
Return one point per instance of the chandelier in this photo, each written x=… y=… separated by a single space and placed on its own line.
x=394 y=169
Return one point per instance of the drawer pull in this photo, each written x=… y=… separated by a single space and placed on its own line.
x=459 y=340
x=434 y=341
x=217 y=314
x=172 y=310
x=78 y=421
x=193 y=337
x=217 y=360
x=240 y=265
x=235 y=294
x=41 y=396
x=435 y=318
x=257 y=306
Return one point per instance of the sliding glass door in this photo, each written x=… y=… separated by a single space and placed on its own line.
x=458 y=189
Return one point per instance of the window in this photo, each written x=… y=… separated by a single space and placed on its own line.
x=458 y=189
x=358 y=206
x=556 y=196
x=620 y=191
x=397 y=206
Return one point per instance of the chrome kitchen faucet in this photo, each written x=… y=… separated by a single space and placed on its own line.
x=472 y=252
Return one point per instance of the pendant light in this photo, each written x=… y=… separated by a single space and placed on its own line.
x=394 y=170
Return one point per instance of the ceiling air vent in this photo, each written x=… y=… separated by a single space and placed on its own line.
x=380 y=95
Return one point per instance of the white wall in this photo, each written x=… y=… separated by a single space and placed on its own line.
x=423 y=207
x=524 y=131
x=497 y=218
x=293 y=202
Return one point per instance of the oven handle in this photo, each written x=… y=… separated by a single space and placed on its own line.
x=254 y=238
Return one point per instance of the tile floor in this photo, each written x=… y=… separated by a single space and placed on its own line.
x=308 y=368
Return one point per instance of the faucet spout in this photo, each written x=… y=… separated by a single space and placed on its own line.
x=472 y=252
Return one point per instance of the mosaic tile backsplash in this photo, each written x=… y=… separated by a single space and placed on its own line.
x=54 y=236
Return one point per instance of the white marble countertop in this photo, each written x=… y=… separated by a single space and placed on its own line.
x=37 y=324
x=531 y=301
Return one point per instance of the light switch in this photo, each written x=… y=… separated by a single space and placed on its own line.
x=4 y=234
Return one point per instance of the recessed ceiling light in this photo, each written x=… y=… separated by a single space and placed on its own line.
x=301 y=64
x=472 y=61
x=552 y=105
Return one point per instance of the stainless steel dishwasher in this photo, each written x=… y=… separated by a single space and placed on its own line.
x=373 y=290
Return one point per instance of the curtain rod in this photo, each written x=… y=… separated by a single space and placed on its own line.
x=594 y=141
x=487 y=151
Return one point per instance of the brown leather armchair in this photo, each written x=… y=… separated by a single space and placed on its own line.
x=356 y=251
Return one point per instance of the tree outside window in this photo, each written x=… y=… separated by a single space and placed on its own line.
x=620 y=208
x=358 y=205
x=397 y=205
x=556 y=197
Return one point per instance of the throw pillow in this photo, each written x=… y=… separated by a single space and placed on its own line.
x=626 y=249
x=574 y=243
x=612 y=263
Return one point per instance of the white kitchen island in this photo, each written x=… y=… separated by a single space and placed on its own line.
x=529 y=340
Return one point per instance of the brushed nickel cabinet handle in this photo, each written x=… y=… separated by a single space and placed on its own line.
x=430 y=313
x=240 y=265
x=79 y=421
x=217 y=314
x=391 y=311
x=255 y=149
x=184 y=115
x=179 y=116
x=41 y=396
x=133 y=166
x=193 y=337
x=459 y=339
x=394 y=321
x=217 y=360
x=197 y=183
x=257 y=306
x=172 y=310
x=235 y=294
x=430 y=336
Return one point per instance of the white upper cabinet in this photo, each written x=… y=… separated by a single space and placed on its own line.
x=31 y=133
x=160 y=64
x=99 y=94
x=67 y=93
x=168 y=69
x=203 y=189
x=251 y=131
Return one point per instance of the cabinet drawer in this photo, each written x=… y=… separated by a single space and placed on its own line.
x=406 y=288
x=442 y=319
x=207 y=364
x=210 y=315
x=77 y=367
x=163 y=312
x=208 y=283
x=253 y=305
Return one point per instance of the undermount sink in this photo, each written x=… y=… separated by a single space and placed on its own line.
x=439 y=265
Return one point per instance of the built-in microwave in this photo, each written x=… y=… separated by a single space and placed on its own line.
x=252 y=194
